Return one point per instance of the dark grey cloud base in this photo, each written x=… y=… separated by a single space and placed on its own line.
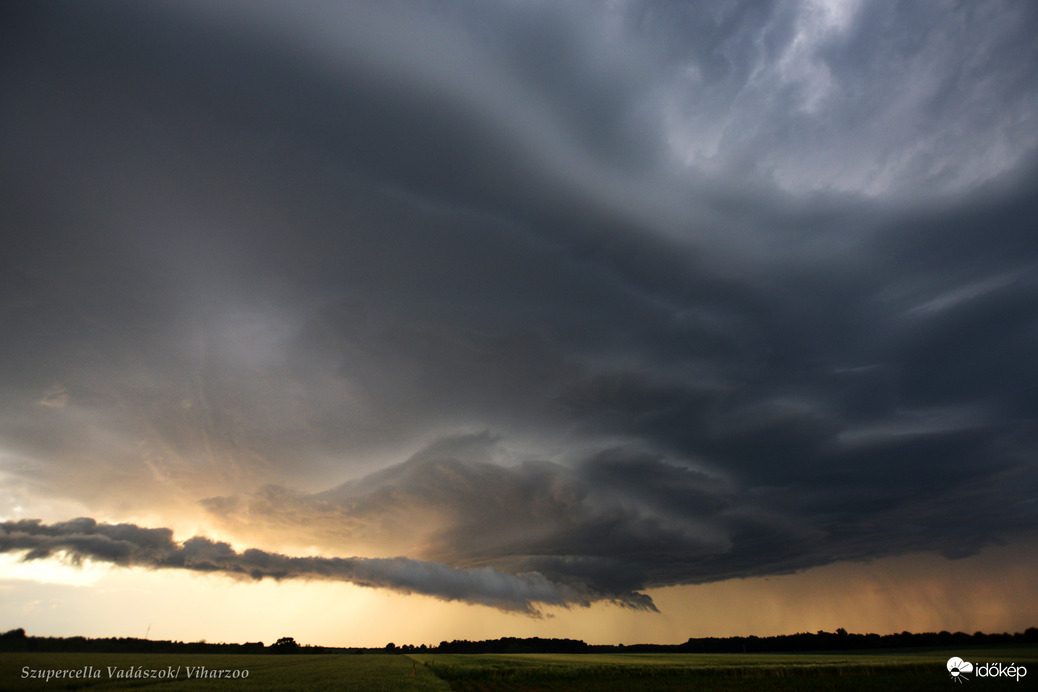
x=625 y=297
x=129 y=545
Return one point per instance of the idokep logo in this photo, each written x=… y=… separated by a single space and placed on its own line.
x=958 y=668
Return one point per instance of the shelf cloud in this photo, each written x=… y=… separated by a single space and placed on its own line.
x=130 y=545
x=523 y=304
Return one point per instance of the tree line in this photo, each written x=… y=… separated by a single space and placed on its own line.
x=803 y=641
x=18 y=640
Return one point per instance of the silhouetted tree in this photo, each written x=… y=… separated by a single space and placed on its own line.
x=285 y=645
x=14 y=640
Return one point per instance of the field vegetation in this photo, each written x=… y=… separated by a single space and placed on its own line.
x=636 y=672
x=847 y=671
x=266 y=672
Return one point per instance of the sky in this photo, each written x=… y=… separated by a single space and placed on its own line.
x=623 y=321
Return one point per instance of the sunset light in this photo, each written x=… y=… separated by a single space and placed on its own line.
x=622 y=322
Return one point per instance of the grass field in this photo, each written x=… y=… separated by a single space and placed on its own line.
x=914 y=670
x=363 y=673
x=714 y=672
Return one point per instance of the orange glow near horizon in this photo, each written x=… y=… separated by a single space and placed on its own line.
x=991 y=592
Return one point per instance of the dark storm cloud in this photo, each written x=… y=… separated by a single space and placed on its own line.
x=131 y=545
x=619 y=521
x=736 y=288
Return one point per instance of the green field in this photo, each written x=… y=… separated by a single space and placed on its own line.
x=722 y=672
x=364 y=673
x=910 y=670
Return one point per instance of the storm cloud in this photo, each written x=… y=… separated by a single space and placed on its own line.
x=131 y=545
x=622 y=295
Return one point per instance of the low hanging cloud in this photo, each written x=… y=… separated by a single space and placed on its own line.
x=620 y=521
x=130 y=545
x=728 y=284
